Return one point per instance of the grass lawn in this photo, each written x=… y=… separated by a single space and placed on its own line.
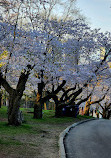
x=35 y=138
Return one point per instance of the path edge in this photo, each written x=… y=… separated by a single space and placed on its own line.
x=63 y=134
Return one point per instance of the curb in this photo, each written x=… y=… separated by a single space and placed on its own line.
x=62 y=135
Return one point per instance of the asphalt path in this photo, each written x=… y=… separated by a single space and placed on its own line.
x=91 y=139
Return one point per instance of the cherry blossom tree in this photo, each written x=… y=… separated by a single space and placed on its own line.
x=28 y=64
x=17 y=44
x=62 y=49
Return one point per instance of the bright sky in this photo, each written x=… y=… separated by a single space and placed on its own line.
x=98 y=13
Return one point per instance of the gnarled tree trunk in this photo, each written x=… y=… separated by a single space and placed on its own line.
x=13 y=109
x=58 y=108
x=15 y=96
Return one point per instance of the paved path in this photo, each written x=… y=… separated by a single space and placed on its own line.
x=89 y=140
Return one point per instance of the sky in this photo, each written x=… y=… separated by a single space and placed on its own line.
x=98 y=13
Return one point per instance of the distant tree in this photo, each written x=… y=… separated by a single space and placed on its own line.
x=106 y=110
x=96 y=101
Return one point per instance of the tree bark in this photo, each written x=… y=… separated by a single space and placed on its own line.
x=38 y=103
x=104 y=113
x=13 y=109
x=58 y=108
x=0 y=99
x=0 y=96
x=15 y=96
x=38 y=110
x=58 y=111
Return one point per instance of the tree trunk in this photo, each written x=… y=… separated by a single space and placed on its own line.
x=87 y=112
x=58 y=111
x=58 y=108
x=13 y=110
x=38 y=110
x=15 y=95
x=0 y=99
x=38 y=104
x=104 y=113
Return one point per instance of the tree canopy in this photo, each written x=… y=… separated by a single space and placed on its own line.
x=66 y=49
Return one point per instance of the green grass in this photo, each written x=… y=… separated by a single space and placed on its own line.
x=27 y=138
x=11 y=130
x=84 y=116
x=3 y=112
x=33 y=126
x=30 y=125
x=48 y=118
x=8 y=142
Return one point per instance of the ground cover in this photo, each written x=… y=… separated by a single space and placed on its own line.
x=34 y=138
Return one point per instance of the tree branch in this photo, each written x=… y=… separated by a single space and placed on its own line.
x=60 y=87
x=6 y=85
x=85 y=99
x=66 y=92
